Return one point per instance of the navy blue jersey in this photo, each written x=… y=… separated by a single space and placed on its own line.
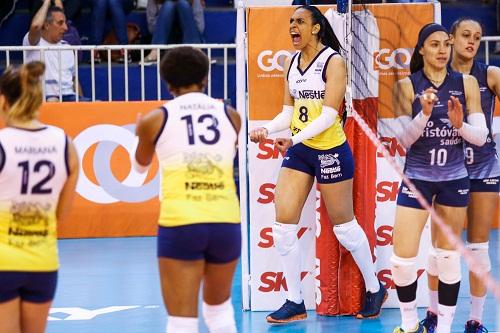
x=482 y=161
x=438 y=155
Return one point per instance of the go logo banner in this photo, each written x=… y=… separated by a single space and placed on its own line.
x=112 y=200
x=110 y=190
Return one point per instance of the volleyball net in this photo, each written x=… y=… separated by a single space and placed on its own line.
x=378 y=40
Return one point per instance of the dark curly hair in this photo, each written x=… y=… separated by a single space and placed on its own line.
x=184 y=66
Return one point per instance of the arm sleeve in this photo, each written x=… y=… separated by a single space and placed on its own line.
x=318 y=125
x=411 y=129
x=282 y=120
x=475 y=131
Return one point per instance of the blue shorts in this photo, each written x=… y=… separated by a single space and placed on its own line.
x=485 y=185
x=217 y=243
x=35 y=287
x=453 y=193
x=328 y=166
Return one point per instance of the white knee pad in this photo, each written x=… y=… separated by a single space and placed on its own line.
x=350 y=235
x=404 y=270
x=479 y=252
x=448 y=263
x=219 y=318
x=182 y=324
x=285 y=237
x=432 y=268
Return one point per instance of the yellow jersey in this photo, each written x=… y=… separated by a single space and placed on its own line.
x=307 y=87
x=33 y=170
x=196 y=149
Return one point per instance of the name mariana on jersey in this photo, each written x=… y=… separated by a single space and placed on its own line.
x=31 y=150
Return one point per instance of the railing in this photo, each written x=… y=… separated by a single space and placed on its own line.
x=209 y=48
x=487 y=41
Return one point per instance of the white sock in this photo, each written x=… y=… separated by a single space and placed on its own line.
x=219 y=318
x=353 y=238
x=291 y=263
x=445 y=318
x=476 y=308
x=409 y=315
x=433 y=301
x=182 y=324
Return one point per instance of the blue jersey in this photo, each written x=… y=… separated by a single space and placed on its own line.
x=438 y=155
x=482 y=161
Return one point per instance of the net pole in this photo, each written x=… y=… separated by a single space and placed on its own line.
x=242 y=151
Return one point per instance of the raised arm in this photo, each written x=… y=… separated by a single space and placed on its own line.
x=37 y=23
x=402 y=99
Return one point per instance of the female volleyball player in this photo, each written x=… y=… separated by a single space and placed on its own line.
x=315 y=83
x=484 y=172
x=38 y=174
x=429 y=103
x=199 y=237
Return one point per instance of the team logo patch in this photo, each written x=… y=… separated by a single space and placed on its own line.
x=327 y=160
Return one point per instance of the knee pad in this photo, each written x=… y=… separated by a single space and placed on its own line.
x=448 y=264
x=350 y=235
x=479 y=252
x=285 y=237
x=432 y=268
x=404 y=270
x=182 y=324
x=219 y=318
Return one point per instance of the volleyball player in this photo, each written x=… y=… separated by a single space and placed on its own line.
x=199 y=237
x=38 y=174
x=484 y=172
x=315 y=83
x=429 y=103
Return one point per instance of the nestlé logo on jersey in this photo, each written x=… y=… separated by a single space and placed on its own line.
x=385 y=59
x=311 y=94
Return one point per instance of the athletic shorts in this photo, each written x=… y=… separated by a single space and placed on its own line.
x=485 y=185
x=328 y=166
x=35 y=287
x=453 y=193
x=217 y=243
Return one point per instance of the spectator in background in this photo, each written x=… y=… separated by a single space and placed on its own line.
x=497 y=44
x=72 y=8
x=47 y=29
x=162 y=15
x=6 y=8
x=117 y=10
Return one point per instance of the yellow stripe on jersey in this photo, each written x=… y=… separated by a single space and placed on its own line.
x=304 y=112
x=28 y=239
x=203 y=192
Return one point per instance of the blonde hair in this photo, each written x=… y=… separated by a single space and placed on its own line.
x=22 y=88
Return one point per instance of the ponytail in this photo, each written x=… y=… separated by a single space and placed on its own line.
x=22 y=89
x=326 y=34
x=417 y=60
